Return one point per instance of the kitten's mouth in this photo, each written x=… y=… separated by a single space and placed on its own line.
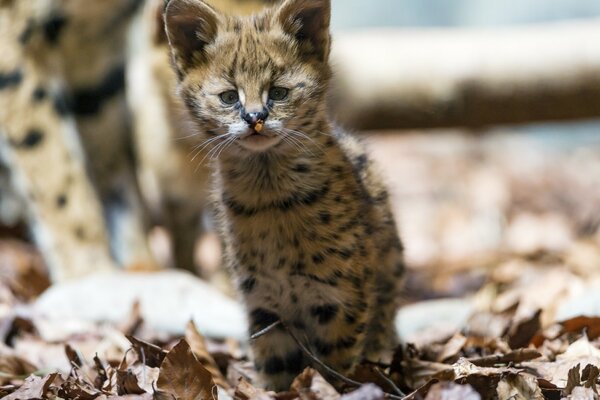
x=258 y=139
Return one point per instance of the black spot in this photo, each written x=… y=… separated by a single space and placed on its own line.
x=39 y=94
x=324 y=313
x=323 y=348
x=274 y=365
x=293 y=297
x=80 y=233
x=61 y=200
x=345 y=254
x=318 y=258
x=61 y=104
x=247 y=285
x=88 y=101
x=361 y=305
x=301 y=168
x=10 y=79
x=280 y=263
x=294 y=362
x=301 y=85
x=337 y=169
x=299 y=266
x=356 y=281
x=345 y=343
x=360 y=328
x=324 y=217
x=350 y=318
x=53 y=26
x=261 y=318
x=33 y=138
x=27 y=32
x=361 y=162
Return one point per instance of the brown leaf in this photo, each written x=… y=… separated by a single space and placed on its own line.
x=198 y=346
x=370 y=373
x=74 y=390
x=183 y=376
x=522 y=332
x=578 y=324
x=73 y=356
x=519 y=387
x=573 y=380
x=589 y=376
x=452 y=348
x=245 y=391
x=22 y=270
x=127 y=383
x=13 y=366
x=451 y=391
x=33 y=388
x=134 y=320
x=149 y=354
x=310 y=385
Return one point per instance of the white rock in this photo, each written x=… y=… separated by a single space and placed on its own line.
x=168 y=300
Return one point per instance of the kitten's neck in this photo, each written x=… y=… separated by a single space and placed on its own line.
x=303 y=162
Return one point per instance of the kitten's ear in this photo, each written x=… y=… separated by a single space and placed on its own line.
x=308 y=22
x=190 y=25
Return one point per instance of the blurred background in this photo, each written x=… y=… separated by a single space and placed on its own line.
x=483 y=117
x=352 y=14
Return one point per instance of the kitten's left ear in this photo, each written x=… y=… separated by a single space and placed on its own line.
x=308 y=22
x=191 y=25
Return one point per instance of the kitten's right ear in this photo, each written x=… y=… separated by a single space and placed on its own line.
x=190 y=25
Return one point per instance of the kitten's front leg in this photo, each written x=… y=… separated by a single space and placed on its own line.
x=277 y=357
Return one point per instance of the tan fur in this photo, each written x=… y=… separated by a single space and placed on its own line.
x=42 y=150
x=307 y=225
x=71 y=56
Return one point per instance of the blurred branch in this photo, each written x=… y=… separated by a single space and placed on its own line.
x=467 y=77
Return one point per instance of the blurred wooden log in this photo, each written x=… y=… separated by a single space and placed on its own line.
x=467 y=77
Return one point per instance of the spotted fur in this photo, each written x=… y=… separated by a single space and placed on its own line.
x=65 y=131
x=305 y=219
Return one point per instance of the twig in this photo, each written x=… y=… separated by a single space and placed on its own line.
x=389 y=382
x=514 y=356
x=315 y=359
x=265 y=330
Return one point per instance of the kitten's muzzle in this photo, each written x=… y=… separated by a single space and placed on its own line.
x=255 y=120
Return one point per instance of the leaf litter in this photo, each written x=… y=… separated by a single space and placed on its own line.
x=529 y=275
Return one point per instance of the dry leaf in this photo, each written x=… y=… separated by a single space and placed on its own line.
x=33 y=388
x=451 y=391
x=519 y=387
x=198 y=346
x=245 y=391
x=310 y=385
x=183 y=376
x=148 y=353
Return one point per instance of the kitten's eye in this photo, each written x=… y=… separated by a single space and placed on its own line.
x=229 y=97
x=278 y=93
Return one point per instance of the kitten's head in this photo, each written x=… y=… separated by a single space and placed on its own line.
x=255 y=80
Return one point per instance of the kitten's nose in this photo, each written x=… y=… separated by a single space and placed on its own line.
x=252 y=118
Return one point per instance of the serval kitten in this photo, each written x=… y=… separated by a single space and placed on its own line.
x=306 y=222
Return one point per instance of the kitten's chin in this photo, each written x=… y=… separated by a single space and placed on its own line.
x=258 y=142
